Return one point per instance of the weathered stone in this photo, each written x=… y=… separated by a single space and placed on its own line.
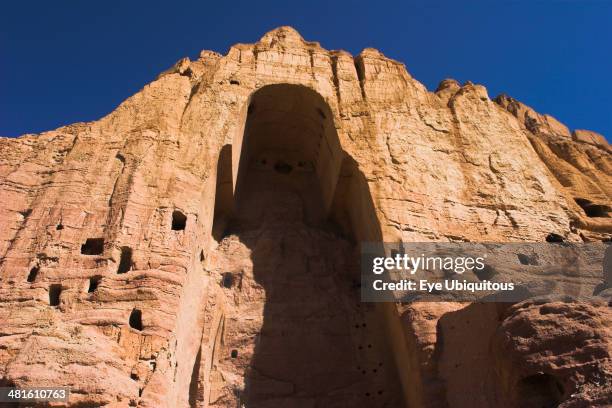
x=282 y=155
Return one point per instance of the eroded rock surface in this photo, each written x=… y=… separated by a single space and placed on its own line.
x=115 y=235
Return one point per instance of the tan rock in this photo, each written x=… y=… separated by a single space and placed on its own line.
x=590 y=137
x=217 y=209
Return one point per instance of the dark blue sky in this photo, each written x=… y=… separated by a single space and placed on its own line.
x=68 y=61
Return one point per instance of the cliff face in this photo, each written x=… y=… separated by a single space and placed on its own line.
x=145 y=255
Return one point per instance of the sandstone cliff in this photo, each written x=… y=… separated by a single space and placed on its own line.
x=135 y=248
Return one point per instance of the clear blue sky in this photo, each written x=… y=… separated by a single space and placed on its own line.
x=68 y=61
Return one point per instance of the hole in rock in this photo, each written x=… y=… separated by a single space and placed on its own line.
x=134 y=376
x=552 y=237
x=540 y=390
x=234 y=82
x=526 y=259
x=136 y=319
x=125 y=260
x=282 y=167
x=59 y=227
x=55 y=292
x=294 y=236
x=228 y=280
x=485 y=273
x=94 y=282
x=591 y=209
x=179 y=220
x=33 y=273
x=93 y=246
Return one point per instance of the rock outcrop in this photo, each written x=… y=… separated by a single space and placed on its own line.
x=194 y=245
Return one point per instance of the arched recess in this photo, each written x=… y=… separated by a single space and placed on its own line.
x=289 y=193
x=288 y=141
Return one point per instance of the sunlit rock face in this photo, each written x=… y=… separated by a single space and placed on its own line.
x=199 y=245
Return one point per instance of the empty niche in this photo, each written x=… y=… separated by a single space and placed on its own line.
x=93 y=246
x=33 y=273
x=552 y=237
x=94 y=282
x=540 y=390
x=591 y=209
x=55 y=292
x=523 y=259
x=125 y=260
x=526 y=259
x=486 y=273
x=179 y=220
x=334 y=188
x=227 y=280
x=282 y=167
x=136 y=319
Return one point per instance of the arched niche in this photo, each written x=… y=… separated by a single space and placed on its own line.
x=293 y=125
x=287 y=149
x=286 y=189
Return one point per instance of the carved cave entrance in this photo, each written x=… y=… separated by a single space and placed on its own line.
x=287 y=220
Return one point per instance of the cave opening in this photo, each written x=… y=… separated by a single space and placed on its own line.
x=540 y=390
x=55 y=292
x=93 y=246
x=179 y=221
x=554 y=238
x=135 y=320
x=94 y=282
x=33 y=274
x=125 y=260
x=593 y=210
x=291 y=207
x=227 y=280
